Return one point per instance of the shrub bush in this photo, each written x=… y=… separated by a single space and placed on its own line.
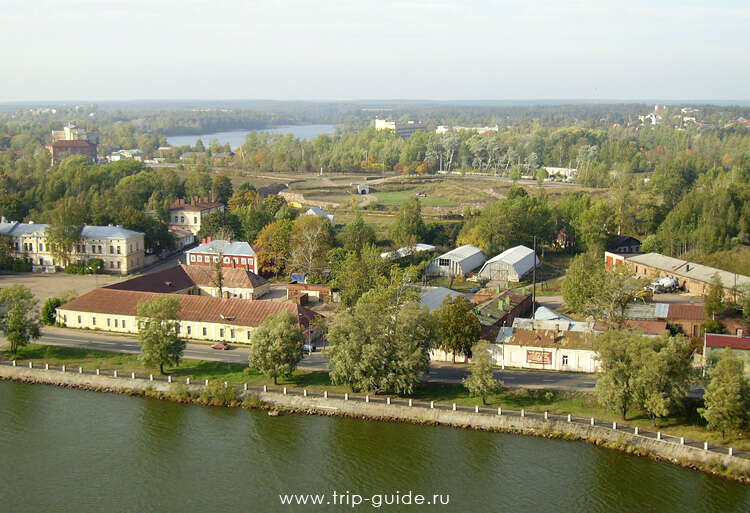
x=48 y=310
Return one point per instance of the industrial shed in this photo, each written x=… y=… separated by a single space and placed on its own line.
x=510 y=265
x=459 y=261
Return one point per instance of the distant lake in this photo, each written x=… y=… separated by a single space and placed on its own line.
x=236 y=138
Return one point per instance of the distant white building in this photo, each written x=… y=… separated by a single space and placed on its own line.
x=134 y=154
x=459 y=261
x=315 y=211
x=510 y=265
x=481 y=129
x=407 y=250
x=404 y=130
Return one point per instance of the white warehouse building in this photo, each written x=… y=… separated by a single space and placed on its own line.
x=510 y=265
x=459 y=261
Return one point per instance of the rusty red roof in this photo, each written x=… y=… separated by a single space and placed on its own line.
x=686 y=312
x=238 y=312
x=647 y=327
x=732 y=341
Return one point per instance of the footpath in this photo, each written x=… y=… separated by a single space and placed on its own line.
x=689 y=453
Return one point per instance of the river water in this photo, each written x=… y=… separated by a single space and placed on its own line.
x=236 y=138
x=75 y=451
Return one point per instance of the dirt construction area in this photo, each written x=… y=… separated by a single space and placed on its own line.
x=45 y=285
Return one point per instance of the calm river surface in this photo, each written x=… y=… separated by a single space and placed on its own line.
x=75 y=451
x=236 y=138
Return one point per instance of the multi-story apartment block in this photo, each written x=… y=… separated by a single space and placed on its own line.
x=121 y=250
x=189 y=216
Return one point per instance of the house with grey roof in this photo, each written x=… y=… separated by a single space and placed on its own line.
x=457 y=262
x=316 y=211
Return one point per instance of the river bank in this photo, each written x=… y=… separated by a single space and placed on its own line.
x=632 y=441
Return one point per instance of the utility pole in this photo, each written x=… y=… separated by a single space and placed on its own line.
x=533 y=293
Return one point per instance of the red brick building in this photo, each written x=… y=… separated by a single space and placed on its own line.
x=230 y=253
x=59 y=150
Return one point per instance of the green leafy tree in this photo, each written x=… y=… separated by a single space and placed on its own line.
x=276 y=346
x=19 y=316
x=409 y=227
x=482 y=382
x=383 y=344
x=311 y=240
x=581 y=283
x=49 y=310
x=357 y=234
x=159 y=332
x=221 y=225
x=197 y=184
x=64 y=230
x=459 y=326
x=252 y=221
x=272 y=246
x=358 y=273
x=727 y=396
x=222 y=188
x=713 y=301
x=615 y=290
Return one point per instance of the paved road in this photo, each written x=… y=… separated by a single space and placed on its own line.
x=439 y=372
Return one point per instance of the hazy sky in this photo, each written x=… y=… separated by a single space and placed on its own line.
x=325 y=49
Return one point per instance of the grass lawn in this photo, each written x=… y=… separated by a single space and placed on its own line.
x=460 y=284
x=552 y=288
x=580 y=404
x=396 y=198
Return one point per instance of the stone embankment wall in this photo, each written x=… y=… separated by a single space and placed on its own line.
x=672 y=449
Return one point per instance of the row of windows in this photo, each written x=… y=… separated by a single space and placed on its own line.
x=80 y=248
x=227 y=260
x=117 y=322
x=181 y=219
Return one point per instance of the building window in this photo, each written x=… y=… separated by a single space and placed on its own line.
x=221 y=332
x=188 y=330
x=111 y=265
x=93 y=321
x=204 y=331
x=244 y=261
x=235 y=261
x=111 y=250
x=123 y=323
x=192 y=258
x=565 y=359
x=231 y=333
x=118 y=250
x=195 y=220
x=41 y=246
x=100 y=250
x=444 y=262
x=216 y=260
x=118 y=264
x=115 y=323
x=182 y=219
x=226 y=260
x=79 y=319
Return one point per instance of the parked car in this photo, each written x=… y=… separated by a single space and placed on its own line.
x=221 y=345
x=308 y=348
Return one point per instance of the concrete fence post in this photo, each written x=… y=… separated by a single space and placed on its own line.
x=499 y=411
x=476 y=408
x=284 y=390
x=682 y=440
x=387 y=400
x=570 y=418
x=63 y=368
x=31 y=365
x=80 y=370
x=658 y=435
x=454 y=406
x=169 y=379
x=187 y=381
x=132 y=375
x=432 y=404
x=325 y=394
x=304 y=392
x=14 y=363
x=705 y=446
x=244 y=387
x=265 y=388
x=593 y=421
x=227 y=385
x=546 y=416
x=410 y=403
x=97 y=372
x=635 y=430
x=730 y=452
x=46 y=366
x=150 y=377
x=114 y=373
x=367 y=398
x=523 y=413
x=346 y=396
x=614 y=425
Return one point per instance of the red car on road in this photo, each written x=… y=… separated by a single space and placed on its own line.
x=221 y=345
